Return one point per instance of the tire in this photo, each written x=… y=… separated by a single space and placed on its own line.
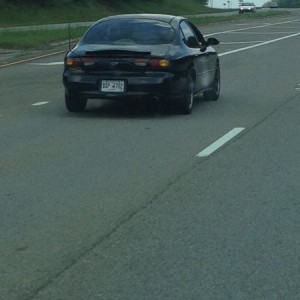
x=75 y=104
x=214 y=92
x=186 y=106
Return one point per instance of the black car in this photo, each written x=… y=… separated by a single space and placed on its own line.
x=142 y=55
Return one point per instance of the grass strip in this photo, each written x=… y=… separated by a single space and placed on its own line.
x=15 y=15
x=38 y=39
x=43 y=39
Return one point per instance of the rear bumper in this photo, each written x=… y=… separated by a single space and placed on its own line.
x=148 y=84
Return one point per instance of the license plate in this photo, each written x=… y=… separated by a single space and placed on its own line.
x=117 y=86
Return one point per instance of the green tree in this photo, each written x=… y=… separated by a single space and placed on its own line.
x=289 y=3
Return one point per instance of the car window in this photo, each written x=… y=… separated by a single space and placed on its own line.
x=137 y=31
x=198 y=34
x=188 y=35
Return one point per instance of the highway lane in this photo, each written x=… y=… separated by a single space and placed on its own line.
x=114 y=203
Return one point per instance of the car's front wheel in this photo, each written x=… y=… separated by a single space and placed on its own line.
x=75 y=103
x=214 y=92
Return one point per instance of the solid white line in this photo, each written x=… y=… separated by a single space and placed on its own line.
x=261 y=33
x=220 y=142
x=260 y=26
x=49 y=64
x=40 y=103
x=220 y=54
x=30 y=59
x=233 y=43
x=258 y=45
x=286 y=27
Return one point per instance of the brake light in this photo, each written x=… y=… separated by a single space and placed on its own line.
x=141 y=62
x=72 y=62
x=154 y=63
x=89 y=61
x=80 y=62
x=160 y=63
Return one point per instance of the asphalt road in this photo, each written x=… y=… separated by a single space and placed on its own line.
x=120 y=203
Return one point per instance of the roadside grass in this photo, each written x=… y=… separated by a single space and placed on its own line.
x=173 y=7
x=19 y=15
x=15 y=15
x=43 y=39
x=38 y=39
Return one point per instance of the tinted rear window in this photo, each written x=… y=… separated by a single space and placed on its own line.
x=125 y=31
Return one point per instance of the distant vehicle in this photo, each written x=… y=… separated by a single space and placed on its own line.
x=274 y=5
x=247 y=7
x=132 y=56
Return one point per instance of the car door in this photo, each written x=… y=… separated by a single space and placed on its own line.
x=209 y=52
x=199 y=55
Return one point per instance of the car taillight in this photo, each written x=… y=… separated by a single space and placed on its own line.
x=141 y=62
x=75 y=63
x=72 y=62
x=154 y=63
x=160 y=63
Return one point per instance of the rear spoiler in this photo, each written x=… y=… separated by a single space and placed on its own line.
x=115 y=52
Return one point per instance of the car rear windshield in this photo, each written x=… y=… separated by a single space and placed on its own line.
x=129 y=31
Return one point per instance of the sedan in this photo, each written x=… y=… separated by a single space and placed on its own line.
x=247 y=7
x=274 y=5
x=153 y=56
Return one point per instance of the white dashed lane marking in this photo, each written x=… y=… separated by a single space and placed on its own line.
x=40 y=103
x=220 y=142
x=49 y=64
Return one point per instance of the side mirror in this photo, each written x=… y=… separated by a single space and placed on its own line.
x=192 y=42
x=212 y=41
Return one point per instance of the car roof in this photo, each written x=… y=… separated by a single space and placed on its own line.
x=157 y=17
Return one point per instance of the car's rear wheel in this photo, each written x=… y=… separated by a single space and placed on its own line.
x=186 y=106
x=75 y=103
x=214 y=92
